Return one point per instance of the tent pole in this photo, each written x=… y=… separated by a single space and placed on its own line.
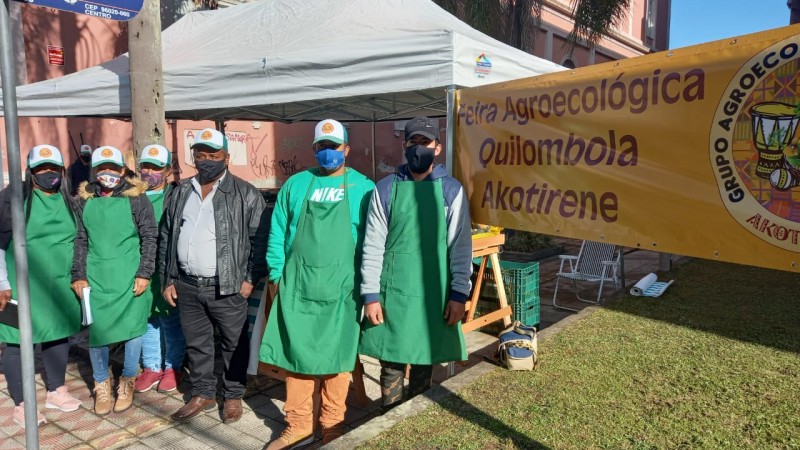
x=9 y=80
x=374 y=169
x=451 y=99
x=220 y=124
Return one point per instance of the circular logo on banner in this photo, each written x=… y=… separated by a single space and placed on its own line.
x=753 y=145
x=106 y=153
x=327 y=127
x=153 y=151
x=45 y=152
x=206 y=135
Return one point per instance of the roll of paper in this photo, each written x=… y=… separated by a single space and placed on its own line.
x=643 y=284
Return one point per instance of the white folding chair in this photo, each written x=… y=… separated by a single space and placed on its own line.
x=596 y=262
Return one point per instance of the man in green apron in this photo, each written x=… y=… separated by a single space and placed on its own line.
x=164 y=324
x=51 y=222
x=314 y=256
x=115 y=256
x=417 y=266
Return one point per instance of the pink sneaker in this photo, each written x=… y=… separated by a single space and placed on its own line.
x=62 y=400
x=169 y=382
x=19 y=416
x=147 y=380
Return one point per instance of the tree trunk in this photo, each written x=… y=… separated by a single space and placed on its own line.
x=147 y=91
x=794 y=11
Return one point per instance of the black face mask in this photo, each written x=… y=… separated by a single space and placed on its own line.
x=209 y=170
x=419 y=158
x=49 y=181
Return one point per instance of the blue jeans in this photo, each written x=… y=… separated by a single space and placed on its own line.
x=167 y=330
x=130 y=368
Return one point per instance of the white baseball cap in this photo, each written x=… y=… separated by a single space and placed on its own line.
x=86 y=149
x=42 y=154
x=211 y=138
x=156 y=154
x=107 y=154
x=330 y=130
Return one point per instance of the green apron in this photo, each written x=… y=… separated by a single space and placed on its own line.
x=160 y=306
x=415 y=282
x=313 y=326
x=55 y=311
x=111 y=266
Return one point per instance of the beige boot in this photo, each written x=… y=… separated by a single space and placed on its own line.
x=102 y=397
x=124 y=394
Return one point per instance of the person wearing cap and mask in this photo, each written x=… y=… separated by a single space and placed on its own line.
x=314 y=256
x=164 y=324
x=79 y=170
x=51 y=223
x=115 y=254
x=417 y=267
x=212 y=251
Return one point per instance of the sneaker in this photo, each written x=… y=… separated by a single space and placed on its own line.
x=291 y=439
x=147 y=380
x=331 y=433
x=124 y=394
x=19 y=416
x=102 y=397
x=62 y=400
x=169 y=381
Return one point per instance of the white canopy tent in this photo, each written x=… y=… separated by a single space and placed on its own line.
x=285 y=60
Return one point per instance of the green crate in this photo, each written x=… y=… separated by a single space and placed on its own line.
x=521 y=280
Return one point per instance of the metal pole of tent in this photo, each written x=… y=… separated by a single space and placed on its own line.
x=374 y=169
x=9 y=76
x=451 y=99
x=2 y=178
x=451 y=122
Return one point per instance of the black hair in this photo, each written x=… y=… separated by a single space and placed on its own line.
x=64 y=189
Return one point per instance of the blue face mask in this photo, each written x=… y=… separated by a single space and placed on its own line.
x=330 y=158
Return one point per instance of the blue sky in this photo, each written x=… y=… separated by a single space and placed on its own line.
x=698 y=21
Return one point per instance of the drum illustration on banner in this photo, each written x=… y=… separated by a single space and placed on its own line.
x=760 y=189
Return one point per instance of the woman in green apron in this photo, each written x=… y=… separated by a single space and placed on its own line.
x=115 y=254
x=312 y=330
x=51 y=221
x=417 y=267
x=164 y=324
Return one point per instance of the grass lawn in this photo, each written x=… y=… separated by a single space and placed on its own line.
x=713 y=363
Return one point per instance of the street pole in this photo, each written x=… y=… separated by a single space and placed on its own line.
x=794 y=11
x=8 y=72
x=147 y=90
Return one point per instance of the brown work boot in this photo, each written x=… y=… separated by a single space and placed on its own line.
x=195 y=406
x=125 y=391
x=291 y=438
x=331 y=433
x=232 y=411
x=102 y=397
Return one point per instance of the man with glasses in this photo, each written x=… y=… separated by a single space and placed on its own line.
x=212 y=252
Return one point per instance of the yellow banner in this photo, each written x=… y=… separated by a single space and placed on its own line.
x=691 y=151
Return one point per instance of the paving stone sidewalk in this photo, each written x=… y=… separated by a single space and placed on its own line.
x=147 y=424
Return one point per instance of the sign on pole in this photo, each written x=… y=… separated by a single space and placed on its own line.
x=121 y=10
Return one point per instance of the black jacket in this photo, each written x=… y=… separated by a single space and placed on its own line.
x=143 y=218
x=242 y=228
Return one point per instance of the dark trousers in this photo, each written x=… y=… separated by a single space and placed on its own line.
x=202 y=309
x=392 y=375
x=54 y=357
